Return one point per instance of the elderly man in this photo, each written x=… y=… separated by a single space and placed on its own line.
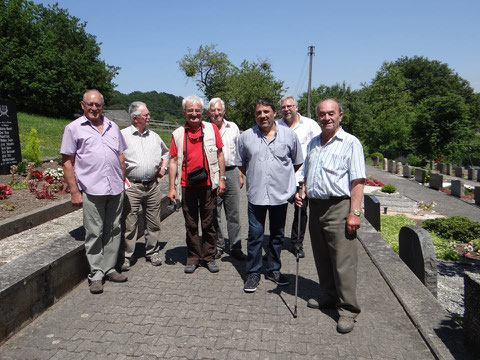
x=269 y=155
x=93 y=163
x=146 y=160
x=230 y=199
x=197 y=173
x=334 y=175
x=305 y=129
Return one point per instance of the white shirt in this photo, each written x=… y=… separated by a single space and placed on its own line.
x=229 y=134
x=329 y=170
x=144 y=154
x=305 y=129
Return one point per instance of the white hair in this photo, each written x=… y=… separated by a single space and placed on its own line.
x=286 y=97
x=86 y=92
x=214 y=101
x=193 y=99
x=134 y=109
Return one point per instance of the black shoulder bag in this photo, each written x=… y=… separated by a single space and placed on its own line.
x=199 y=174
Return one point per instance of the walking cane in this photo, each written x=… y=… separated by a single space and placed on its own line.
x=298 y=248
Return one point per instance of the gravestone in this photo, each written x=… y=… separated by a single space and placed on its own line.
x=478 y=176
x=476 y=195
x=441 y=168
x=457 y=188
x=449 y=169
x=376 y=161
x=372 y=210
x=407 y=171
x=472 y=174
x=436 y=181
x=418 y=253
x=459 y=171
x=391 y=166
x=420 y=175
x=399 y=169
x=10 y=153
x=471 y=317
x=385 y=164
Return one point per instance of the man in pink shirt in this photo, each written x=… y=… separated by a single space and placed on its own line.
x=94 y=166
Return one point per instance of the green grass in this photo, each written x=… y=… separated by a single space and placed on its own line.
x=50 y=132
x=390 y=229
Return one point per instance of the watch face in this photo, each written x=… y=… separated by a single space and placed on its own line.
x=356 y=212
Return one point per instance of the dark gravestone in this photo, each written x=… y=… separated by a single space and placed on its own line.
x=471 y=283
x=10 y=153
x=457 y=188
x=372 y=210
x=459 y=171
x=472 y=174
x=376 y=161
x=418 y=253
x=476 y=195
x=407 y=171
x=449 y=169
x=391 y=166
x=478 y=175
x=436 y=181
x=441 y=168
x=420 y=175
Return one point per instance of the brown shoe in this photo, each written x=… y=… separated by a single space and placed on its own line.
x=96 y=287
x=116 y=277
x=345 y=324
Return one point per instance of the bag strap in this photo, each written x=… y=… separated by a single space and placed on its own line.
x=186 y=148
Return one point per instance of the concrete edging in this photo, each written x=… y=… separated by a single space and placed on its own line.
x=442 y=335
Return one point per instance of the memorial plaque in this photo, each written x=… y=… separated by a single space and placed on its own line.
x=10 y=153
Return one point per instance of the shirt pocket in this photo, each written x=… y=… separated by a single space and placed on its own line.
x=281 y=151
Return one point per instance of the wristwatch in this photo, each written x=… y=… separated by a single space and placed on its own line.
x=356 y=212
x=223 y=177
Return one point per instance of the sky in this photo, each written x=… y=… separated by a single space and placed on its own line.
x=352 y=39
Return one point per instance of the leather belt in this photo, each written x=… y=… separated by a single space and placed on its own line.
x=143 y=182
x=228 y=168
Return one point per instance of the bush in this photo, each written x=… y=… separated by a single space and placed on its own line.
x=389 y=188
x=413 y=160
x=457 y=228
x=32 y=150
x=375 y=154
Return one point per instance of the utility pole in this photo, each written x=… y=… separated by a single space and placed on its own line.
x=311 y=52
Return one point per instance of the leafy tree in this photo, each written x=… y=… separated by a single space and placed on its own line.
x=48 y=60
x=445 y=129
x=208 y=67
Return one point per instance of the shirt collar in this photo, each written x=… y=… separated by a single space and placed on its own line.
x=106 y=122
x=135 y=131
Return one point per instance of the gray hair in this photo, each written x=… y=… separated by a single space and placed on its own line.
x=214 y=101
x=134 y=109
x=286 y=97
x=340 y=105
x=193 y=99
x=84 y=98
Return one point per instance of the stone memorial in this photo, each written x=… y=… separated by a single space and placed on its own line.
x=10 y=153
x=391 y=166
x=418 y=253
x=441 y=168
x=407 y=171
x=478 y=176
x=372 y=211
x=459 y=171
x=420 y=175
x=399 y=168
x=457 y=188
x=448 y=171
x=471 y=317
x=376 y=161
x=476 y=195
x=385 y=164
x=436 y=181
x=472 y=174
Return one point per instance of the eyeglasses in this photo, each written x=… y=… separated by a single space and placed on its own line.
x=194 y=111
x=287 y=106
x=144 y=115
x=91 y=104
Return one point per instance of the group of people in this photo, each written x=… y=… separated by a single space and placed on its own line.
x=294 y=159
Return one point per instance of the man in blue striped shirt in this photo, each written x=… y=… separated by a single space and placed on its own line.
x=334 y=174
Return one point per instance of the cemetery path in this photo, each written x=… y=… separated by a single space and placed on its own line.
x=161 y=312
x=446 y=205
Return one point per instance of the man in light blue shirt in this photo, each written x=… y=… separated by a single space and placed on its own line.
x=334 y=174
x=268 y=155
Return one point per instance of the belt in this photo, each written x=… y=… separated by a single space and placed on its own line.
x=228 y=168
x=143 y=182
x=332 y=198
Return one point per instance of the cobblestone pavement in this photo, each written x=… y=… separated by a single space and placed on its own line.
x=161 y=312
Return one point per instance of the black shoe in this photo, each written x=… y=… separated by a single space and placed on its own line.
x=212 y=267
x=219 y=254
x=190 y=268
x=277 y=278
x=301 y=253
x=238 y=254
x=251 y=282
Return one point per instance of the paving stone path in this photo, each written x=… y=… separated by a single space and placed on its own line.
x=164 y=313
